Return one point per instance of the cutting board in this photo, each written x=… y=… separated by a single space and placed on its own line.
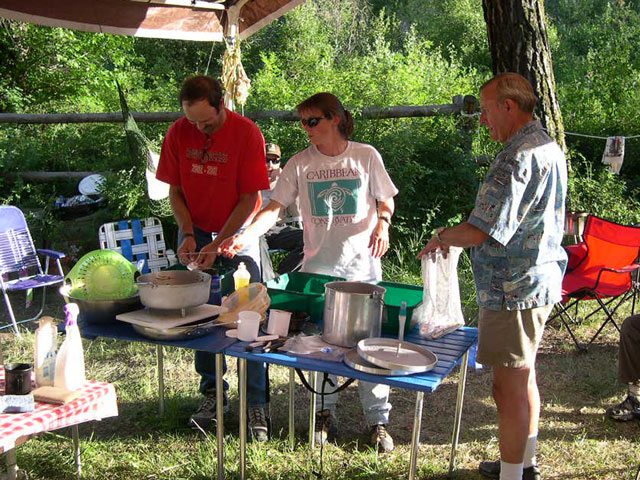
x=165 y=319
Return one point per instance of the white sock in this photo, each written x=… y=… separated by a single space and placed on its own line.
x=510 y=471
x=530 y=451
x=634 y=389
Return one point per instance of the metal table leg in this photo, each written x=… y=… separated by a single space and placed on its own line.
x=160 y=357
x=242 y=388
x=76 y=449
x=12 y=464
x=458 y=416
x=415 y=436
x=313 y=381
x=292 y=387
x=220 y=415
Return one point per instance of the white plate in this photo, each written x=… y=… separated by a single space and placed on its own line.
x=232 y=333
x=89 y=184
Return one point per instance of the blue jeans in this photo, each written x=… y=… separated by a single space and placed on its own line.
x=257 y=372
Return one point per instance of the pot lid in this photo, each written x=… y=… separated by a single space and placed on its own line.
x=355 y=361
x=384 y=352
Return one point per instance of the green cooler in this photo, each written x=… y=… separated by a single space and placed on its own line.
x=300 y=291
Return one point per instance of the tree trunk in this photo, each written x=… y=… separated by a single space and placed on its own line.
x=519 y=43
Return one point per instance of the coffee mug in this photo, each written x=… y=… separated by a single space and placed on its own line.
x=17 y=378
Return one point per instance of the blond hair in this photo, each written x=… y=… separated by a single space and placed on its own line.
x=514 y=87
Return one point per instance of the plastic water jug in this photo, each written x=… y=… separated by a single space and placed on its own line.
x=46 y=342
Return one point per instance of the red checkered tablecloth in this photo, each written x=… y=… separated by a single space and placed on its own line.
x=96 y=401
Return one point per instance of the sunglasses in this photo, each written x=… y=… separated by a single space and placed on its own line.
x=312 y=122
x=205 y=151
x=273 y=160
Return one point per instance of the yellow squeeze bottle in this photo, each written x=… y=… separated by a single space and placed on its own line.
x=241 y=279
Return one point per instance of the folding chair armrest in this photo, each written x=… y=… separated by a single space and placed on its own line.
x=51 y=253
x=629 y=268
x=624 y=270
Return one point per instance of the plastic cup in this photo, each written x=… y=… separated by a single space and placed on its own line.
x=279 y=322
x=248 y=326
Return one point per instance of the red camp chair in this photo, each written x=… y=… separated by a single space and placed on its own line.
x=600 y=268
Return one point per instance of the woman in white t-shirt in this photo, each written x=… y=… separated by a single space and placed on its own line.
x=346 y=203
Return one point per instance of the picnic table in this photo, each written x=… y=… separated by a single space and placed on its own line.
x=97 y=400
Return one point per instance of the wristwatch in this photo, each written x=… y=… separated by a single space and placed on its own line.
x=384 y=218
x=185 y=235
x=438 y=231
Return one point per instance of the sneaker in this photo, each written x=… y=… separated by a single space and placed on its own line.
x=380 y=439
x=325 y=427
x=626 y=410
x=259 y=424
x=492 y=470
x=207 y=411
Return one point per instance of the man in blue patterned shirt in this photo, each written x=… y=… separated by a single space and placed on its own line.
x=515 y=231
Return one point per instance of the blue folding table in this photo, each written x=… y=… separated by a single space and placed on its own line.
x=214 y=342
x=451 y=349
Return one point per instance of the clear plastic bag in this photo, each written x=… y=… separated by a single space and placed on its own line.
x=440 y=311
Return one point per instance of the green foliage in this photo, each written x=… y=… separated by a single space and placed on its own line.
x=368 y=59
x=457 y=26
x=597 y=65
x=594 y=189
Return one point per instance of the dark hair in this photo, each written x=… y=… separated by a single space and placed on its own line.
x=515 y=87
x=330 y=106
x=201 y=87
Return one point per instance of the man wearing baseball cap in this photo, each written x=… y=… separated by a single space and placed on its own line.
x=283 y=235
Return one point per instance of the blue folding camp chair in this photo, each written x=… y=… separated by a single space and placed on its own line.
x=20 y=268
x=141 y=241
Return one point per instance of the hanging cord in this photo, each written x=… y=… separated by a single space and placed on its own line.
x=599 y=137
x=328 y=380
x=206 y=70
x=325 y=379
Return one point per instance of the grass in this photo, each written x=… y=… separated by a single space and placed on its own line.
x=576 y=440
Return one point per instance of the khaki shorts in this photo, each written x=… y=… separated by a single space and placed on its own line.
x=510 y=338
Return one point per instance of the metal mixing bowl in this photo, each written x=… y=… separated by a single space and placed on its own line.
x=101 y=311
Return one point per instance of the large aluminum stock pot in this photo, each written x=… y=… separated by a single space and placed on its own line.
x=174 y=289
x=352 y=311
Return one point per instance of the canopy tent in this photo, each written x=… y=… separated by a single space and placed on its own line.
x=200 y=20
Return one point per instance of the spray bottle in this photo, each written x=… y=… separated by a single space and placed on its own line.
x=70 y=373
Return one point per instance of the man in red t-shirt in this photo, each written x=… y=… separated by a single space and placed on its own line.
x=214 y=161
